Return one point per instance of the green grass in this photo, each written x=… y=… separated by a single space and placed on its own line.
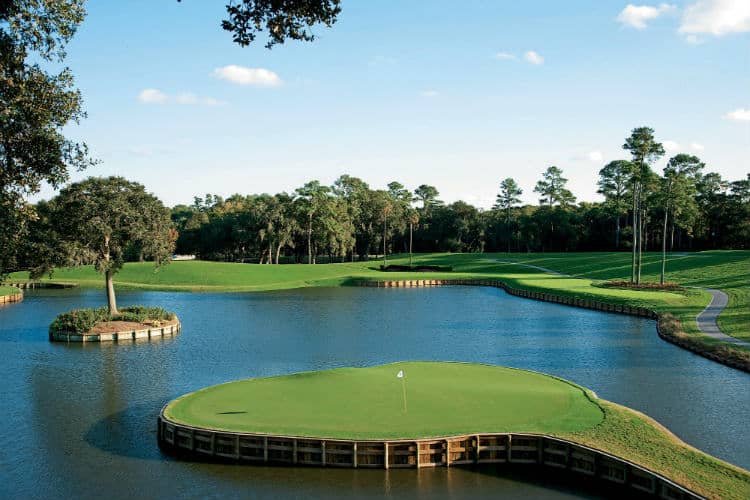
x=725 y=270
x=8 y=290
x=443 y=399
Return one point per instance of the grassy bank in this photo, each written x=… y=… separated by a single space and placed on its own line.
x=728 y=271
x=8 y=290
x=443 y=399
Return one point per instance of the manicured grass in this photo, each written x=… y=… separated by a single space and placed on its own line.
x=638 y=438
x=443 y=399
x=446 y=399
x=725 y=270
x=8 y=290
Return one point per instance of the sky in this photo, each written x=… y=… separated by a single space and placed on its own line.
x=459 y=95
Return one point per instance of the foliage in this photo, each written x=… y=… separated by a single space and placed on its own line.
x=291 y=19
x=552 y=188
x=84 y=320
x=36 y=105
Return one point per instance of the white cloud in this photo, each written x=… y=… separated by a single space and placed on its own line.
x=247 y=76
x=596 y=156
x=693 y=40
x=152 y=96
x=716 y=17
x=697 y=147
x=739 y=114
x=186 y=98
x=505 y=56
x=636 y=16
x=533 y=57
x=429 y=93
x=670 y=146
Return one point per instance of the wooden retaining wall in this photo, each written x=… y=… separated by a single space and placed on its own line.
x=13 y=297
x=643 y=312
x=27 y=285
x=474 y=449
x=146 y=333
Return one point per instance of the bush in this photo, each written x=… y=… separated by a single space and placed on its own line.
x=83 y=320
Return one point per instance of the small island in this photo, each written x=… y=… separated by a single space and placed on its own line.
x=435 y=414
x=98 y=325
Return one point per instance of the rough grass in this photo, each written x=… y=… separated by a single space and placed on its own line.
x=8 y=290
x=443 y=399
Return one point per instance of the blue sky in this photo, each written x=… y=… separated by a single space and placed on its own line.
x=458 y=95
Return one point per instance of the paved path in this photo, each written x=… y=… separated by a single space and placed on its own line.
x=706 y=319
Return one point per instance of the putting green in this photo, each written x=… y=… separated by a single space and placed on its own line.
x=442 y=399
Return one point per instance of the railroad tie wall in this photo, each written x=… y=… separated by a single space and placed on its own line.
x=11 y=298
x=469 y=450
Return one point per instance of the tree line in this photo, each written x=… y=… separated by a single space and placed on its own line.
x=684 y=208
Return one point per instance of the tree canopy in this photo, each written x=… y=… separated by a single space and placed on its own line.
x=99 y=220
x=35 y=104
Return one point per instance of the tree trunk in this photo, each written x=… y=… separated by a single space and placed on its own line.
x=640 y=245
x=411 y=235
x=617 y=232
x=278 y=252
x=635 y=231
x=664 y=245
x=385 y=249
x=111 y=301
x=309 y=240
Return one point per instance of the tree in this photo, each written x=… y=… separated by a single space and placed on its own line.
x=36 y=105
x=98 y=219
x=280 y=20
x=644 y=150
x=428 y=195
x=413 y=221
x=506 y=200
x=552 y=188
x=312 y=199
x=613 y=184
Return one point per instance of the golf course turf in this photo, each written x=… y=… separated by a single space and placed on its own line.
x=447 y=399
x=442 y=399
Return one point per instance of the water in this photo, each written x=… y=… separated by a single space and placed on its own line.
x=80 y=420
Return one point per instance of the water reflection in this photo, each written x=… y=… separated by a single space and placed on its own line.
x=80 y=419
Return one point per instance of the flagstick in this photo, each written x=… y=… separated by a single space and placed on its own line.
x=403 y=385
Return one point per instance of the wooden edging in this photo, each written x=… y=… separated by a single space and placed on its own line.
x=469 y=449
x=145 y=333
x=27 y=285
x=13 y=297
x=643 y=312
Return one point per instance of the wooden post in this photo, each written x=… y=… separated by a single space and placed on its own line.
x=507 y=450
x=385 y=450
x=354 y=456
x=237 y=445
x=323 y=452
x=265 y=448
x=294 y=451
x=447 y=453
x=476 y=450
x=416 y=443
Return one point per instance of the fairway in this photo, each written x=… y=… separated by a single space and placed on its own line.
x=443 y=399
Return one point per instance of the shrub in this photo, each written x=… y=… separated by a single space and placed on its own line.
x=83 y=320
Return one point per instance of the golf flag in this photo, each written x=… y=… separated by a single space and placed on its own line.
x=400 y=374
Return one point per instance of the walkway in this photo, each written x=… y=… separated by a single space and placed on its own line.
x=706 y=319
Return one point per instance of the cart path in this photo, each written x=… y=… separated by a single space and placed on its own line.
x=706 y=320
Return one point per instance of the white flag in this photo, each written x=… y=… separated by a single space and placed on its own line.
x=400 y=374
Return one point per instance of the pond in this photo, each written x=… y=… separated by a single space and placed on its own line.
x=80 y=420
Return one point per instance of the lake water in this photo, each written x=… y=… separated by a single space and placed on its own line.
x=79 y=421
